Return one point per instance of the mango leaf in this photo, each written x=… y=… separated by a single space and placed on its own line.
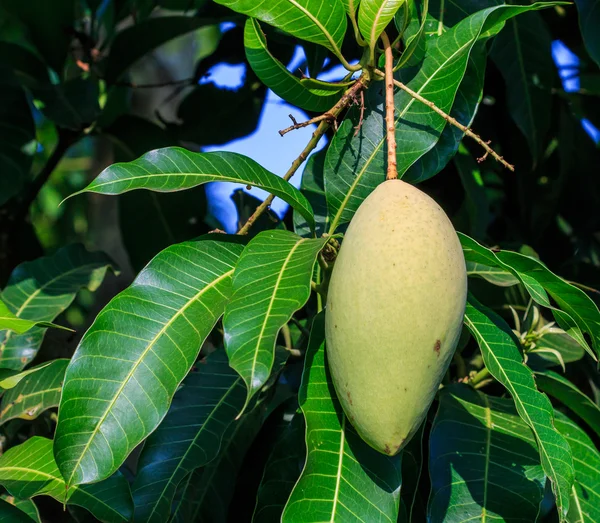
x=10 y=513
x=585 y=495
x=270 y=283
x=10 y=378
x=207 y=492
x=335 y=484
x=40 y=290
x=504 y=361
x=494 y=275
x=411 y=500
x=578 y=314
x=281 y=472
x=26 y=506
x=483 y=461
x=147 y=339
x=10 y=322
x=566 y=392
x=374 y=16
x=356 y=165
x=589 y=20
x=133 y=42
x=29 y=470
x=276 y=77
x=322 y=23
x=522 y=52
x=554 y=348
x=189 y=437
x=175 y=169
x=34 y=394
x=312 y=187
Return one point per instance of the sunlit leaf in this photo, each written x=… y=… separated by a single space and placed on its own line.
x=10 y=322
x=175 y=169
x=189 y=437
x=336 y=483
x=40 y=290
x=120 y=382
x=483 y=461
x=494 y=275
x=374 y=16
x=29 y=470
x=34 y=394
x=276 y=77
x=504 y=361
x=270 y=283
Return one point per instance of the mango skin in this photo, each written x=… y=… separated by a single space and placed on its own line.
x=394 y=312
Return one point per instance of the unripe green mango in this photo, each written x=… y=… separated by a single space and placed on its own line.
x=394 y=312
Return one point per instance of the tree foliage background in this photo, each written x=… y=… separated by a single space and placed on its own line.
x=101 y=97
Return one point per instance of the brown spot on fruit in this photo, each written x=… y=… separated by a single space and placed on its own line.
x=437 y=347
x=349 y=397
x=405 y=389
x=387 y=449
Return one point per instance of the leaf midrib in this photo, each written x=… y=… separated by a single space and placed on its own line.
x=339 y=469
x=137 y=364
x=325 y=32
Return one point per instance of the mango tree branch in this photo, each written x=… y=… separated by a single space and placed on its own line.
x=453 y=121
x=392 y=169
x=325 y=122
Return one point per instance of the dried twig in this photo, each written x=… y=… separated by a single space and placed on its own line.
x=454 y=122
x=392 y=169
x=295 y=125
x=325 y=123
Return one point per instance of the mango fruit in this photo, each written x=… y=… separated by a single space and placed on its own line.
x=394 y=312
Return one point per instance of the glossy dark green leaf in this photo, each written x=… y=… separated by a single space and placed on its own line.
x=343 y=478
x=312 y=186
x=40 y=290
x=175 y=169
x=589 y=21
x=270 y=283
x=585 y=496
x=522 y=52
x=26 y=506
x=356 y=165
x=276 y=77
x=411 y=499
x=282 y=470
x=35 y=393
x=10 y=378
x=374 y=16
x=146 y=339
x=504 y=361
x=494 y=275
x=577 y=313
x=483 y=461
x=10 y=513
x=29 y=470
x=189 y=437
x=322 y=23
x=566 y=392
x=16 y=132
x=135 y=41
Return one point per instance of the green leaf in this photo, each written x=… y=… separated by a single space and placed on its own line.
x=281 y=472
x=10 y=322
x=189 y=437
x=10 y=378
x=175 y=169
x=585 y=496
x=578 y=314
x=322 y=23
x=29 y=470
x=10 y=513
x=35 y=394
x=270 y=283
x=483 y=462
x=275 y=75
x=343 y=478
x=522 y=52
x=494 y=275
x=374 y=16
x=312 y=186
x=566 y=392
x=40 y=290
x=206 y=494
x=17 y=131
x=120 y=382
x=27 y=506
x=504 y=361
x=412 y=468
x=589 y=21
x=356 y=165
x=135 y=41
x=554 y=348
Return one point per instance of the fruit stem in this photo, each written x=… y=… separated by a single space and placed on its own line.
x=392 y=169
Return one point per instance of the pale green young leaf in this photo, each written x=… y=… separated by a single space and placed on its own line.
x=374 y=16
